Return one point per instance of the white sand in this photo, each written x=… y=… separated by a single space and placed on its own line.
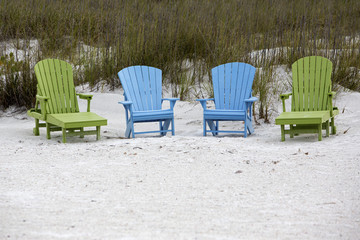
x=181 y=187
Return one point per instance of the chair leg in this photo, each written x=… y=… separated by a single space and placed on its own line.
x=173 y=127
x=97 y=133
x=291 y=131
x=319 y=132
x=204 y=128
x=213 y=127
x=64 y=135
x=282 y=133
x=36 y=128
x=327 y=128
x=48 y=131
x=128 y=129
x=132 y=129
x=250 y=126
x=81 y=132
x=166 y=126
x=217 y=128
x=245 y=130
x=161 y=128
x=333 y=127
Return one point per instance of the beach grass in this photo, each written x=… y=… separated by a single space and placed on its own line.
x=99 y=38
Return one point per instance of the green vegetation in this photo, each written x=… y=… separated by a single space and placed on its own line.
x=17 y=83
x=101 y=37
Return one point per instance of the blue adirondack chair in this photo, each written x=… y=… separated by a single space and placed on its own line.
x=232 y=83
x=143 y=99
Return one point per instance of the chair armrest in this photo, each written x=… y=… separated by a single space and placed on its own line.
x=251 y=100
x=43 y=105
x=248 y=103
x=86 y=97
x=331 y=94
x=42 y=98
x=126 y=103
x=203 y=101
x=283 y=97
x=172 y=101
x=128 y=108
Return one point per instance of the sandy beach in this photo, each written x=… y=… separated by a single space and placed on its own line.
x=179 y=187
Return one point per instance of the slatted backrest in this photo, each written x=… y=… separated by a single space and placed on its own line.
x=232 y=83
x=55 y=80
x=311 y=83
x=143 y=86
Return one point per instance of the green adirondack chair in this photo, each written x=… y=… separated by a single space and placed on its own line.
x=58 y=102
x=311 y=102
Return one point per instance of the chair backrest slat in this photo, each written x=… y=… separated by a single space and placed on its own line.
x=50 y=75
x=147 y=87
x=311 y=83
x=317 y=84
x=232 y=83
x=54 y=90
x=234 y=87
x=311 y=87
x=67 y=71
x=154 y=89
x=158 y=87
x=216 y=87
x=60 y=85
x=55 y=80
x=248 y=74
x=227 y=86
x=143 y=86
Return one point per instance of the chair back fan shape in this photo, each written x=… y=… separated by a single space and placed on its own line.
x=232 y=83
x=55 y=80
x=142 y=86
x=311 y=84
